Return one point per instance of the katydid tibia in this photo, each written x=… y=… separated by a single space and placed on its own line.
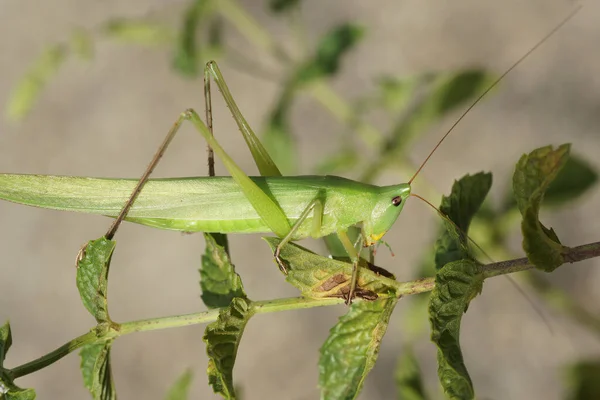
x=293 y=208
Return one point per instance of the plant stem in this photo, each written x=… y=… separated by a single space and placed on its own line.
x=54 y=356
x=343 y=112
x=174 y=321
x=573 y=254
x=253 y=31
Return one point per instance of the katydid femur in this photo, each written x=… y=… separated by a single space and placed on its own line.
x=293 y=208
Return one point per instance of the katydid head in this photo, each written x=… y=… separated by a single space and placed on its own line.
x=388 y=207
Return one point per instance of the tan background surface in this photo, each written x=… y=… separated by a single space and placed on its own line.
x=106 y=119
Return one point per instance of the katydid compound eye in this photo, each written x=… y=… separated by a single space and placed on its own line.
x=396 y=201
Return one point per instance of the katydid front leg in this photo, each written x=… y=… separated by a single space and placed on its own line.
x=315 y=206
x=351 y=250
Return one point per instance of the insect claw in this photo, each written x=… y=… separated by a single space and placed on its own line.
x=347 y=299
x=80 y=255
x=280 y=262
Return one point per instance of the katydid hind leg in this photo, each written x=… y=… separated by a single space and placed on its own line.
x=263 y=160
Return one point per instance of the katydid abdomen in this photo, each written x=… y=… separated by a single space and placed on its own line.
x=203 y=204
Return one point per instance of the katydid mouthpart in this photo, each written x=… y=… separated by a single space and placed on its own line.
x=292 y=208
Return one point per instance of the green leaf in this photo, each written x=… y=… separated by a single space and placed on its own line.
x=218 y=280
x=92 y=276
x=456 y=88
x=533 y=175
x=28 y=89
x=330 y=50
x=408 y=377
x=456 y=284
x=97 y=371
x=572 y=181
x=222 y=339
x=82 y=44
x=321 y=277
x=281 y=6
x=350 y=351
x=584 y=380
x=186 y=59
x=5 y=341
x=146 y=33
x=465 y=199
x=8 y=390
x=181 y=388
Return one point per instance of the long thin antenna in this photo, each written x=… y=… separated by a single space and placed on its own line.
x=511 y=280
x=494 y=84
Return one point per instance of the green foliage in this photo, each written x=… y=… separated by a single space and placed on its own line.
x=350 y=351
x=180 y=389
x=397 y=93
x=187 y=58
x=92 y=282
x=218 y=280
x=96 y=370
x=322 y=277
x=456 y=284
x=533 y=175
x=92 y=276
x=222 y=340
x=31 y=85
x=584 y=380
x=82 y=44
x=447 y=92
x=465 y=199
x=281 y=6
x=408 y=377
x=326 y=61
x=574 y=179
x=458 y=280
x=330 y=50
x=444 y=93
x=139 y=32
x=8 y=390
x=5 y=341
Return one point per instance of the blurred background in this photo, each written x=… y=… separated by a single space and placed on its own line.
x=106 y=115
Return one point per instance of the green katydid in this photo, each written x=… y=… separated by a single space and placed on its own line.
x=293 y=208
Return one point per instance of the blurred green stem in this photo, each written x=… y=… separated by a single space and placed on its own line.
x=250 y=28
x=340 y=109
